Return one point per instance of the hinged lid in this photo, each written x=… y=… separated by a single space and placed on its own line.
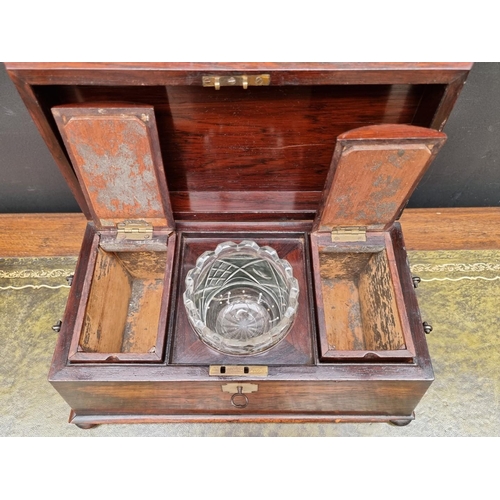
x=115 y=153
x=373 y=172
x=257 y=149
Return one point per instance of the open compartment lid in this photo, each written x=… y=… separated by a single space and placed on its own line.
x=242 y=141
x=115 y=152
x=373 y=173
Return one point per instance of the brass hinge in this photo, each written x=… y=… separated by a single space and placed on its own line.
x=353 y=233
x=134 y=230
x=236 y=81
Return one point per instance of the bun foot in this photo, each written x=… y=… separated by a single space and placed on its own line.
x=400 y=422
x=86 y=426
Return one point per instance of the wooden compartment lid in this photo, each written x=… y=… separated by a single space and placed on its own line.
x=115 y=152
x=373 y=173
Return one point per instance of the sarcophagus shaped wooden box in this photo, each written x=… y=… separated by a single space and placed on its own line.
x=242 y=260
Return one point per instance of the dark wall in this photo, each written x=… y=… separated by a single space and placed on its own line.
x=466 y=172
x=29 y=178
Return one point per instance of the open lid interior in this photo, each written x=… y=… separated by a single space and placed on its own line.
x=114 y=151
x=374 y=170
x=257 y=153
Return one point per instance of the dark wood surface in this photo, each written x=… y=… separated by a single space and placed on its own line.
x=362 y=398
x=42 y=73
x=257 y=141
x=89 y=421
x=245 y=140
x=168 y=389
x=409 y=297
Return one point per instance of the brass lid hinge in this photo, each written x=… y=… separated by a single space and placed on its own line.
x=134 y=230
x=352 y=233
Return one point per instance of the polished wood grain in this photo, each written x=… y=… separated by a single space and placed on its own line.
x=165 y=390
x=228 y=141
x=244 y=140
x=258 y=206
x=89 y=421
x=476 y=228
x=407 y=299
x=280 y=399
x=189 y=73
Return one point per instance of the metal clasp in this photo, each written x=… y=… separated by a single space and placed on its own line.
x=236 y=81
x=238 y=371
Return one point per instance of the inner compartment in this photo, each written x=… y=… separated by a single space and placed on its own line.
x=123 y=309
x=360 y=309
x=296 y=348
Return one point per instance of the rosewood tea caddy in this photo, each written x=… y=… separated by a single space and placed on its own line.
x=169 y=161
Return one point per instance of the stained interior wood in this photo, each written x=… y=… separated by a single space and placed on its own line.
x=115 y=156
x=123 y=309
x=359 y=302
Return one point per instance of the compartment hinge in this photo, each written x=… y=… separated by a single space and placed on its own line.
x=349 y=233
x=134 y=230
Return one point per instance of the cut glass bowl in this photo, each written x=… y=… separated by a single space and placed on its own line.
x=241 y=299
